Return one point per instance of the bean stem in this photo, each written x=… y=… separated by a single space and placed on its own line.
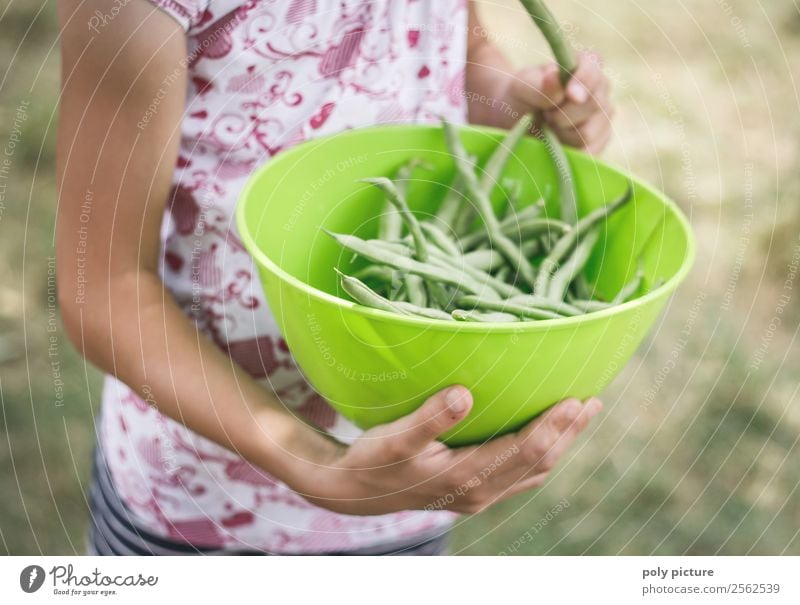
x=550 y=29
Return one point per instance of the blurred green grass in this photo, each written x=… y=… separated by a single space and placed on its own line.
x=697 y=451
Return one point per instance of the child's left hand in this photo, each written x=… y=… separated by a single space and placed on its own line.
x=579 y=114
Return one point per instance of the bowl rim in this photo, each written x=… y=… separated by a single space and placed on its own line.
x=259 y=256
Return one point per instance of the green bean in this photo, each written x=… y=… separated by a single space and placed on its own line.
x=387 y=256
x=498 y=160
x=426 y=273
x=581 y=287
x=416 y=293
x=589 y=306
x=491 y=173
x=440 y=239
x=451 y=204
x=414 y=285
x=562 y=308
x=504 y=273
x=547 y=24
x=492 y=286
x=399 y=247
x=485 y=260
x=549 y=27
x=484 y=208
x=453 y=201
x=546 y=242
x=424 y=311
x=415 y=290
x=364 y=295
x=524 y=311
x=403 y=174
x=377 y=272
x=530 y=211
x=465 y=219
x=568 y=271
x=568 y=241
x=631 y=288
x=513 y=189
x=566 y=183
x=391 y=223
x=477 y=316
x=398 y=294
x=531 y=248
x=522 y=231
x=396 y=199
x=489 y=281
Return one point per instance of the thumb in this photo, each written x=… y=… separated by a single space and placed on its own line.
x=441 y=412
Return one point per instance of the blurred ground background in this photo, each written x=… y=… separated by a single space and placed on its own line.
x=698 y=450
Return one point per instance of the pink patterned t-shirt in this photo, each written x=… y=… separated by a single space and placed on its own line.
x=265 y=75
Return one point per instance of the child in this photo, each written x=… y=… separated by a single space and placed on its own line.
x=209 y=440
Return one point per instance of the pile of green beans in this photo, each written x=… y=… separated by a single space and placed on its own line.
x=522 y=265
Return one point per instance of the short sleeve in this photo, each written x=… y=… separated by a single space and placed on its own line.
x=188 y=13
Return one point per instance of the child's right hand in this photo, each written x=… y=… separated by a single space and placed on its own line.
x=401 y=466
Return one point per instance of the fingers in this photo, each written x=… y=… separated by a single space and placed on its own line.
x=538 y=88
x=586 y=79
x=580 y=115
x=572 y=115
x=593 y=134
x=585 y=124
x=600 y=141
x=542 y=439
x=508 y=465
x=441 y=412
x=524 y=484
x=545 y=440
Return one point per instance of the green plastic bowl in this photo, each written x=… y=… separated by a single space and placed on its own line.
x=374 y=366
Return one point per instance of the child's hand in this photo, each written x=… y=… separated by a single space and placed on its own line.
x=400 y=466
x=580 y=115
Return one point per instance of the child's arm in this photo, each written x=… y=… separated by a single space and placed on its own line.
x=127 y=323
x=124 y=320
x=498 y=94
